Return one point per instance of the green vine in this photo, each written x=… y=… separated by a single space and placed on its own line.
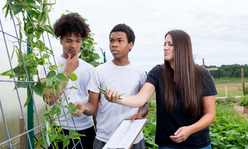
x=35 y=16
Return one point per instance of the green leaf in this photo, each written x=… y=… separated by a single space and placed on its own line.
x=45 y=116
x=53 y=67
x=18 y=71
x=66 y=141
x=55 y=123
x=52 y=137
x=55 y=110
x=49 y=29
x=34 y=5
x=72 y=76
x=46 y=56
x=58 y=86
x=28 y=27
x=38 y=88
x=17 y=7
x=62 y=77
x=40 y=142
x=72 y=108
x=74 y=135
x=71 y=131
x=49 y=83
x=7 y=73
x=85 y=108
x=51 y=74
x=59 y=104
x=41 y=61
x=21 y=84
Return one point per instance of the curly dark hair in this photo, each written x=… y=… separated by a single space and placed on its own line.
x=124 y=28
x=71 y=23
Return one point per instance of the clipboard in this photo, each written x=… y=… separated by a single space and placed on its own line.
x=126 y=134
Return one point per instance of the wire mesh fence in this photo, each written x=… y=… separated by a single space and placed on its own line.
x=22 y=126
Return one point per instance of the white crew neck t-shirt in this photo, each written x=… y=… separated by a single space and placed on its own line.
x=126 y=79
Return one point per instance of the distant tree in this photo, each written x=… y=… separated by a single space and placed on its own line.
x=246 y=72
x=230 y=73
x=237 y=73
x=222 y=73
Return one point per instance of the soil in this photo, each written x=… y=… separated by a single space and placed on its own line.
x=244 y=115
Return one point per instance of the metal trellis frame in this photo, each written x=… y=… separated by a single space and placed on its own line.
x=29 y=127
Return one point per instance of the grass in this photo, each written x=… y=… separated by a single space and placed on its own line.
x=231 y=93
x=229 y=83
x=234 y=82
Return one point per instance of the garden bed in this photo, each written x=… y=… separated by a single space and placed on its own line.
x=241 y=109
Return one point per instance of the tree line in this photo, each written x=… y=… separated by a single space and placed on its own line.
x=228 y=71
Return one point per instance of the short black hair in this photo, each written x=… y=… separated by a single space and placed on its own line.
x=71 y=23
x=124 y=28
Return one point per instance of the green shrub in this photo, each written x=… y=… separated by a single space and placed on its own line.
x=243 y=101
x=229 y=130
x=149 y=130
x=229 y=100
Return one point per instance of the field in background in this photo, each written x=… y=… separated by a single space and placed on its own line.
x=219 y=83
x=230 y=83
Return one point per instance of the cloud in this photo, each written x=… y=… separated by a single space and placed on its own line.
x=218 y=29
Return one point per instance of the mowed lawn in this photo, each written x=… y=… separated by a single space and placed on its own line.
x=223 y=83
x=230 y=83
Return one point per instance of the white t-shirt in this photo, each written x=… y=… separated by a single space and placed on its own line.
x=126 y=79
x=83 y=73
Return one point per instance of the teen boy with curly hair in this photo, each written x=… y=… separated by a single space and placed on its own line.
x=71 y=29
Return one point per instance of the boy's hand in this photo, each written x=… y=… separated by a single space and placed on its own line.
x=72 y=63
x=135 y=116
x=112 y=96
x=80 y=110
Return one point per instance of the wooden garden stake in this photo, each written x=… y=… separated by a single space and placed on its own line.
x=23 y=138
x=226 y=90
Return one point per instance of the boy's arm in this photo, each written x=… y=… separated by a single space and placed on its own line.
x=92 y=104
x=142 y=112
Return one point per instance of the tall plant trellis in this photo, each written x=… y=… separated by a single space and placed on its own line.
x=31 y=106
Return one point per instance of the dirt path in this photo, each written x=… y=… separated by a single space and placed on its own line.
x=228 y=88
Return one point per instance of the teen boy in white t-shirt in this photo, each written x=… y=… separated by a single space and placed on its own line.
x=119 y=74
x=71 y=29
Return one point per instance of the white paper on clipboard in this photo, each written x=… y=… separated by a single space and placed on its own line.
x=125 y=134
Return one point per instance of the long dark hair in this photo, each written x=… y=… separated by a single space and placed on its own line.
x=187 y=78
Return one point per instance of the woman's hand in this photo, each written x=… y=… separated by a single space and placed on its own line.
x=181 y=134
x=112 y=96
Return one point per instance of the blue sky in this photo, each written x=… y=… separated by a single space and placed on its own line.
x=218 y=29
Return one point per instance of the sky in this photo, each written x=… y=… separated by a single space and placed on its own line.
x=218 y=29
